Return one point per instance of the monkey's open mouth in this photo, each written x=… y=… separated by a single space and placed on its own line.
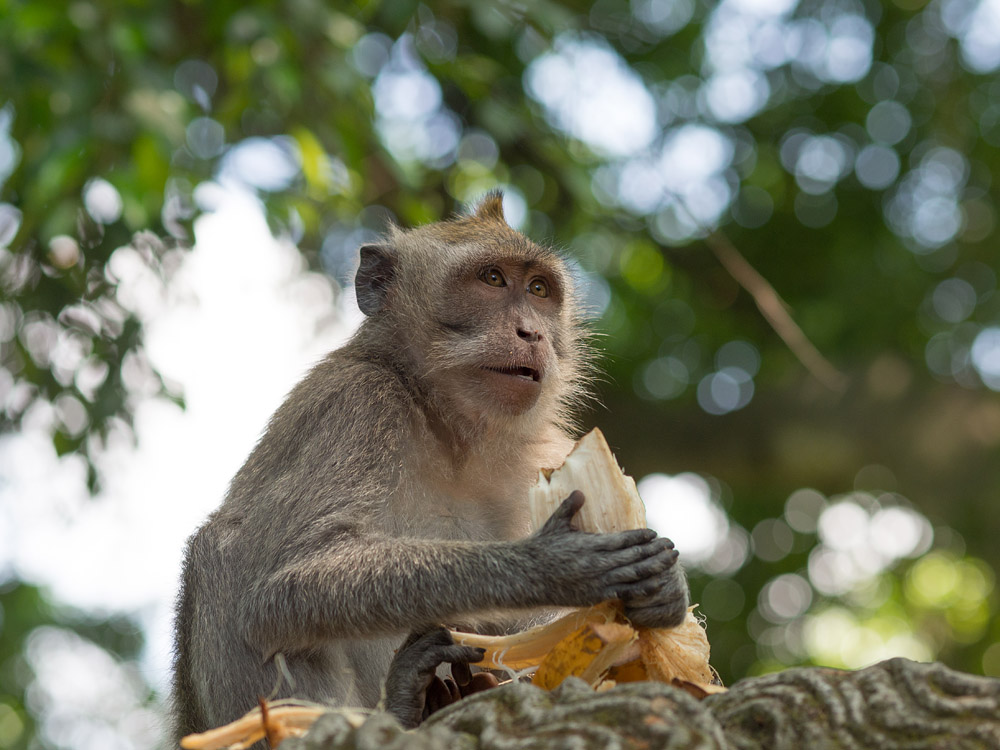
x=517 y=372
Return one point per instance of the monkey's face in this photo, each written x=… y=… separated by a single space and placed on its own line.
x=482 y=317
x=500 y=324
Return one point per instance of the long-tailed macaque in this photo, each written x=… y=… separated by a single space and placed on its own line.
x=388 y=492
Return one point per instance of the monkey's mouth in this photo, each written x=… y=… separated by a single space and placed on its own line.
x=525 y=373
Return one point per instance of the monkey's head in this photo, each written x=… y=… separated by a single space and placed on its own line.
x=487 y=320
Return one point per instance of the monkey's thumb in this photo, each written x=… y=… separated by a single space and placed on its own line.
x=560 y=520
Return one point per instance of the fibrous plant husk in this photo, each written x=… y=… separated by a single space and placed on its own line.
x=274 y=721
x=592 y=643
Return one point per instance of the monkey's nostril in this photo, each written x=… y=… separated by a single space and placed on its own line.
x=529 y=336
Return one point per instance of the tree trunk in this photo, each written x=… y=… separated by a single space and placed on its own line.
x=894 y=704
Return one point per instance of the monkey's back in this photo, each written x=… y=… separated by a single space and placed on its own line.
x=324 y=465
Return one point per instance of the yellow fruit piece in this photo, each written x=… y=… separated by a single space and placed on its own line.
x=587 y=653
x=633 y=671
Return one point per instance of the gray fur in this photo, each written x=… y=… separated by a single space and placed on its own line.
x=387 y=493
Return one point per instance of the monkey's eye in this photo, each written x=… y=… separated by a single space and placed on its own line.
x=493 y=276
x=538 y=287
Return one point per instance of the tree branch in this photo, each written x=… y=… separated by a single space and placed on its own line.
x=774 y=310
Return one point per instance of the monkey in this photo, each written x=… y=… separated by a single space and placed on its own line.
x=387 y=494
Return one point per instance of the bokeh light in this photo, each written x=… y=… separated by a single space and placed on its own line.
x=588 y=91
x=263 y=163
x=412 y=120
x=924 y=208
x=89 y=698
x=836 y=637
x=683 y=508
x=976 y=24
x=985 y=354
x=861 y=536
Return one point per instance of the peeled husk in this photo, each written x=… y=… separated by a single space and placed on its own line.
x=581 y=644
x=613 y=503
x=274 y=721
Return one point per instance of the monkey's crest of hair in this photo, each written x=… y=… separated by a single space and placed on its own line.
x=427 y=261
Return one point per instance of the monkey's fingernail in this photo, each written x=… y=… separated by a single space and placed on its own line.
x=438 y=695
x=462 y=673
x=481 y=681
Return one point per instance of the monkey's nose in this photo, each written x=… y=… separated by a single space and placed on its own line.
x=531 y=337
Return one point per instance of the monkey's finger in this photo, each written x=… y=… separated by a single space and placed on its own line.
x=623 y=539
x=462 y=672
x=438 y=695
x=427 y=636
x=429 y=660
x=668 y=615
x=460 y=655
x=660 y=555
x=481 y=681
x=425 y=659
x=672 y=588
x=666 y=592
x=438 y=636
x=651 y=566
x=637 y=590
x=454 y=694
x=649 y=570
x=560 y=519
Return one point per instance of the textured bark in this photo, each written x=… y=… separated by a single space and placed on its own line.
x=893 y=705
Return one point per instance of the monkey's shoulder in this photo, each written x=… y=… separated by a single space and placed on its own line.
x=344 y=422
x=343 y=394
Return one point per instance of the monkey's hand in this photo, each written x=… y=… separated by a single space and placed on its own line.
x=412 y=691
x=579 y=569
x=664 y=608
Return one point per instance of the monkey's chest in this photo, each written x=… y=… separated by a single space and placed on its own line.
x=460 y=517
x=483 y=499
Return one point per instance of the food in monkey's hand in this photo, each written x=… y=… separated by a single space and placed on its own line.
x=598 y=643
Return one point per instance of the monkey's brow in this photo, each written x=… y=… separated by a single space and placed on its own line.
x=527 y=263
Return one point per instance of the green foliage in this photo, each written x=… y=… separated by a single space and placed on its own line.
x=25 y=610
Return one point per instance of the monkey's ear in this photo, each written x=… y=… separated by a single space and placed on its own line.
x=375 y=275
x=491 y=209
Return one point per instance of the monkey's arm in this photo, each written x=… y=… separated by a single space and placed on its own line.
x=365 y=585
